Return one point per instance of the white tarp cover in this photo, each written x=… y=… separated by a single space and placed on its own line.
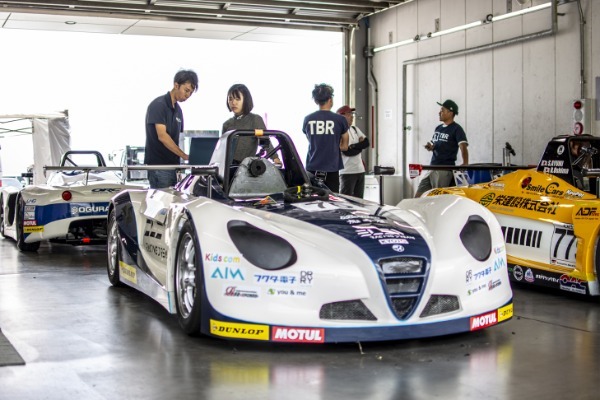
x=51 y=139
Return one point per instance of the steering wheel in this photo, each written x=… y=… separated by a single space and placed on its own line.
x=296 y=194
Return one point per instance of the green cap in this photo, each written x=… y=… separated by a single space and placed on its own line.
x=450 y=105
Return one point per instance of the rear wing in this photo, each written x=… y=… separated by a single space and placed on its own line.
x=205 y=170
x=461 y=176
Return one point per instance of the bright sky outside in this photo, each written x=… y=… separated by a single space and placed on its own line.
x=107 y=81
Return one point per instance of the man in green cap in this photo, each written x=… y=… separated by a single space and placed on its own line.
x=449 y=136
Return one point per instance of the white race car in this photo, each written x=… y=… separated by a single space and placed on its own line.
x=70 y=208
x=257 y=251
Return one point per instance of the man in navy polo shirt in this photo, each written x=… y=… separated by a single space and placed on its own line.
x=164 y=123
x=447 y=139
x=327 y=134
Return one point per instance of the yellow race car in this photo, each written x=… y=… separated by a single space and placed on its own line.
x=550 y=215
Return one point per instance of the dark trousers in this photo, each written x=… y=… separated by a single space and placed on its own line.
x=353 y=184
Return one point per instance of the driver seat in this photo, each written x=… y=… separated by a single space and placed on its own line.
x=256 y=177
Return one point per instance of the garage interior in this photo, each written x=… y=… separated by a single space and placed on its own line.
x=65 y=333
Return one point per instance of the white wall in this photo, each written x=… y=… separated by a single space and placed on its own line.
x=107 y=81
x=520 y=93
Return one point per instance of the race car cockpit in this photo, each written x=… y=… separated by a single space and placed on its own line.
x=573 y=159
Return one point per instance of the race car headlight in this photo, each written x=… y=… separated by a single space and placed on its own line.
x=261 y=248
x=477 y=238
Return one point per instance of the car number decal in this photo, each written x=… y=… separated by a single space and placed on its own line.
x=563 y=247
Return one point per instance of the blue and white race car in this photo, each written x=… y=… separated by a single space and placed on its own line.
x=256 y=251
x=70 y=208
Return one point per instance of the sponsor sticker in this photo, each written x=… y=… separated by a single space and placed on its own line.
x=518 y=273
x=33 y=229
x=286 y=292
x=572 y=284
x=484 y=320
x=128 y=272
x=505 y=313
x=238 y=330
x=298 y=335
x=241 y=292
x=83 y=209
x=227 y=273
x=529 y=276
x=304 y=278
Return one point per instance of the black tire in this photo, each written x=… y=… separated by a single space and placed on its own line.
x=21 y=245
x=113 y=249
x=189 y=281
x=2 y=217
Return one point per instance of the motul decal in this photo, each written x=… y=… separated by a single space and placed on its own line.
x=298 y=335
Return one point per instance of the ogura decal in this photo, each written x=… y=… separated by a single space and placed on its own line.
x=89 y=209
x=554 y=167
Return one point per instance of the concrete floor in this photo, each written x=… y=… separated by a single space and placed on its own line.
x=83 y=339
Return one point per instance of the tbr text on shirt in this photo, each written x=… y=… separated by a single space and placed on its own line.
x=321 y=127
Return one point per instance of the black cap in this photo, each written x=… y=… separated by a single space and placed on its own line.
x=450 y=105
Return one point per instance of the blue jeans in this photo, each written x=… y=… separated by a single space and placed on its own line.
x=162 y=178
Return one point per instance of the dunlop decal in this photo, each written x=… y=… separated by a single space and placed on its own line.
x=128 y=272
x=240 y=331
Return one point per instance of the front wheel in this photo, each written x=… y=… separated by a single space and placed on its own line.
x=113 y=247
x=21 y=245
x=188 y=281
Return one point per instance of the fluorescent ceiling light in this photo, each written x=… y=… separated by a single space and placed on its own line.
x=521 y=12
x=456 y=29
x=392 y=45
x=461 y=27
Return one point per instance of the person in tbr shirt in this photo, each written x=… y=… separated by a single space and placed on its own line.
x=447 y=139
x=164 y=123
x=327 y=134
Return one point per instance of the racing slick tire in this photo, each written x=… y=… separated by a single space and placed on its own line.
x=21 y=245
x=113 y=248
x=189 y=280
x=2 y=217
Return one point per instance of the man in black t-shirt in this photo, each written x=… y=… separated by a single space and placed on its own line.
x=447 y=139
x=327 y=134
x=164 y=123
